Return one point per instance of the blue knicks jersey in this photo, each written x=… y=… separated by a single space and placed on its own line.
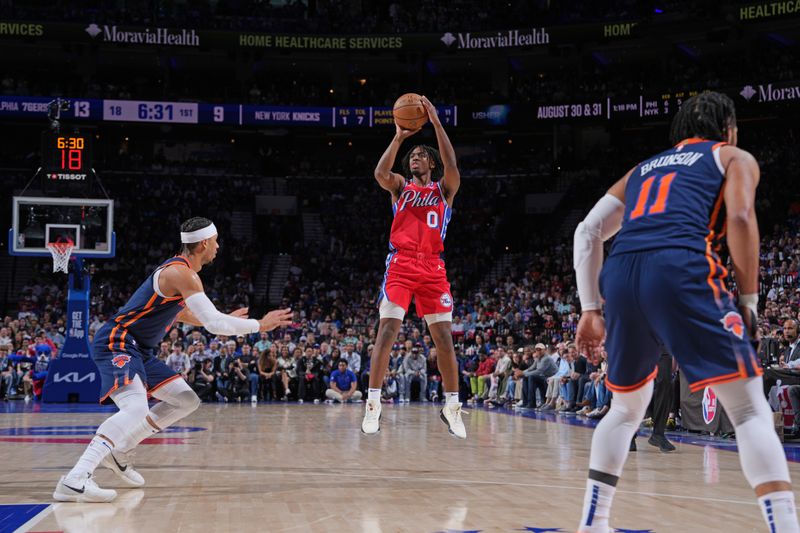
x=675 y=200
x=147 y=316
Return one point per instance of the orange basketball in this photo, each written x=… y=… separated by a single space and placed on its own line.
x=409 y=113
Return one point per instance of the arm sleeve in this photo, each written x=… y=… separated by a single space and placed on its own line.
x=216 y=322
x=602 y=222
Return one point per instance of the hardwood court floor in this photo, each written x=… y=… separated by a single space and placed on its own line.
x=290 y=468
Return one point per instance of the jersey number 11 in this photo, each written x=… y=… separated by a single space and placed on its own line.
x=660 y=203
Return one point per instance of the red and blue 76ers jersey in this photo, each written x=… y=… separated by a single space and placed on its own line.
x=421 y=216
x=675 y=200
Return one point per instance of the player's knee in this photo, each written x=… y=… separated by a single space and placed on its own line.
x=187 y=401
x=743 y=400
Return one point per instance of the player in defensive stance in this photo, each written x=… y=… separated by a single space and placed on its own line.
x=124 y=351
x=414 y=268
x=664 y=282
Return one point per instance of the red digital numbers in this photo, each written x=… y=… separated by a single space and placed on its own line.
x=71 y=159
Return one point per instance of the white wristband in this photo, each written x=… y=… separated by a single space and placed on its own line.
x=750 y=301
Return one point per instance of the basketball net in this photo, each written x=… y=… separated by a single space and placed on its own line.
x=61 y=251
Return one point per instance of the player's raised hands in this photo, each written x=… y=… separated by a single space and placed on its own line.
x=240 y=313
x=275 y=319
x=591 y=333
x=433 y=115
x=402 y=134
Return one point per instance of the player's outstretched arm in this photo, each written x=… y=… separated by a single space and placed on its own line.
x=451 y=180
x=741 y=180
x=387 y=179
x=602 y=223
x=187 y=317
x=186 y=282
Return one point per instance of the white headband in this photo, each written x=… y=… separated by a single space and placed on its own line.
x=189 y=237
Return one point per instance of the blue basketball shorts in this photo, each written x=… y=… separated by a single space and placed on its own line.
x=672 y=300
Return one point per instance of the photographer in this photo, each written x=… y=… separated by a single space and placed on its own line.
x=239 y=383
x=201 y=379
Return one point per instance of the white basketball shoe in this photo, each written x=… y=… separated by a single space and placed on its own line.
x=372 y=418
x=451 y=415
x=87 y=492
x=121 y=463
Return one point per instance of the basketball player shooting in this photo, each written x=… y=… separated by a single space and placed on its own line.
x=664 y=283
x=422 y=200
x=124 y=351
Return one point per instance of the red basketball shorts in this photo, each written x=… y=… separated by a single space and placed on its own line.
x=421 y=276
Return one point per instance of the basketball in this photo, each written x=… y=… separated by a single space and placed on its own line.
x=409 y=113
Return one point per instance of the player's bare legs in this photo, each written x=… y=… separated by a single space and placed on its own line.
x=388 y=328
x=441 y=333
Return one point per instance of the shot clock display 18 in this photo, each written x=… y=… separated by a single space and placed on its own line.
x=66 y=156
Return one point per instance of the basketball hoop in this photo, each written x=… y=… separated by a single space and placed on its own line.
x=61 y=250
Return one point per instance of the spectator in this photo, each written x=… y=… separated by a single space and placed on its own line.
x=177 y=360
x=433 y=375
x=250 y=367
x=415 y=371
x=343 y=385
x=390 y=390
x=396 y=372
x=535 y=377
x=309 y=369
x=269 y=380
x=481 y=382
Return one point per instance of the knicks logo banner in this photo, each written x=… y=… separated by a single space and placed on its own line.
x=120 y=360
x=733 y=323
x=709 y=405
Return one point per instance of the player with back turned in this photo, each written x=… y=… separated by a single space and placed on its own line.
x=664 y=286
x=414 y=267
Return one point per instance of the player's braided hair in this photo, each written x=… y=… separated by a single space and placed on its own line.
x=707 y=115
x=193 y=224
x=438 y=168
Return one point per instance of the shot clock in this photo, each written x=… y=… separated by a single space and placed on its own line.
x=66 y=156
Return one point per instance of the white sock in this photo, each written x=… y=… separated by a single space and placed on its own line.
x=596 y=507
x=95 y=452
x=374 y=394
x=779 y=511
x=451 y=397
x=140 y=432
